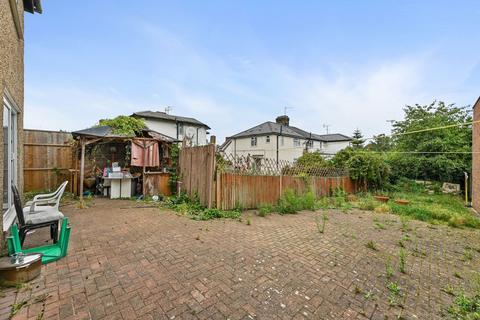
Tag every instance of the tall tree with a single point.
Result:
(425, 149)
(357, 139)
(380, 143)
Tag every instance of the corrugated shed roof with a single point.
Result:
(169, 117)
(107, 132)
(99, 132)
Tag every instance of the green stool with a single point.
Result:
(49, 253)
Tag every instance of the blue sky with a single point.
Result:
(235, 64)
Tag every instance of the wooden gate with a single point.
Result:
(48, 159)
(197, 173)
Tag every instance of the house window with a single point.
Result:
(9, 153)
(310, 143)
(181, 130)
(296, 143)
(267, 139)
(253, 141)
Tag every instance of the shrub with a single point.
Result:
(292, 203)
(124, 125)
(369, 169)
(264, 210)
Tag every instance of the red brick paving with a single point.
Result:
(145, 263)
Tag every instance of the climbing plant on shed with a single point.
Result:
(124, 125)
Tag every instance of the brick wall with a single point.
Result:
(476, 157)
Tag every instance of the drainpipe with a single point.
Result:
(281, 130)
(176, 122)
(197, 136)
(235, 148)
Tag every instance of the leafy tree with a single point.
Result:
(441, 155)
(369, 169)
(312, 160)
(357, 139)
(124, 125)
(380, 143)
(340, 159)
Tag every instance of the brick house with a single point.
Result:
(476, 157)
(12, 93)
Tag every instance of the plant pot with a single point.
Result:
(402, 202)
(382, 198)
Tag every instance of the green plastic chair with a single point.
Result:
(50, 253)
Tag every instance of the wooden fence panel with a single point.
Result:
(251, 191)
(157, 183)
(197, 173)
(48, 159)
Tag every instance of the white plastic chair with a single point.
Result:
(46, 200)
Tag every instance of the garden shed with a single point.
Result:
(123, 166)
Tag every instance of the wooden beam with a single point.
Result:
(45, 169)
(82, 167)
(48, 145)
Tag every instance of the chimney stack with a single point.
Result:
(283, 120)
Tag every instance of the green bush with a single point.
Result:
(265, 210)
(292, 203)
(124, 125)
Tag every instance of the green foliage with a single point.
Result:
(403, 261)
(321, 224)
(357, 139)
(192, 208)
(124, 125)
(465, 307)
(369, 169)
(341, 158)
(436, 208)
(440, 165)
(312, 160)
(173, 179)
(371, 245)
(292, 203)
(380, 143)
(265, 210)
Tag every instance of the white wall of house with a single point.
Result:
(331, 148)
(289, 148)
(266, 146)
(196, 134)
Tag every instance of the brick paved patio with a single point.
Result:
(144, 263)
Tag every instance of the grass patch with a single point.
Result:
(465, 307)
(192, 208)
(291, 203)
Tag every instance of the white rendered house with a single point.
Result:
(278, 140)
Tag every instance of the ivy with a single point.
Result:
(124, 125)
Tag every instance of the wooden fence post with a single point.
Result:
(82, 167)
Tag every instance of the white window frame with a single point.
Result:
(297, 143)
(12, 171)
(253, 141)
